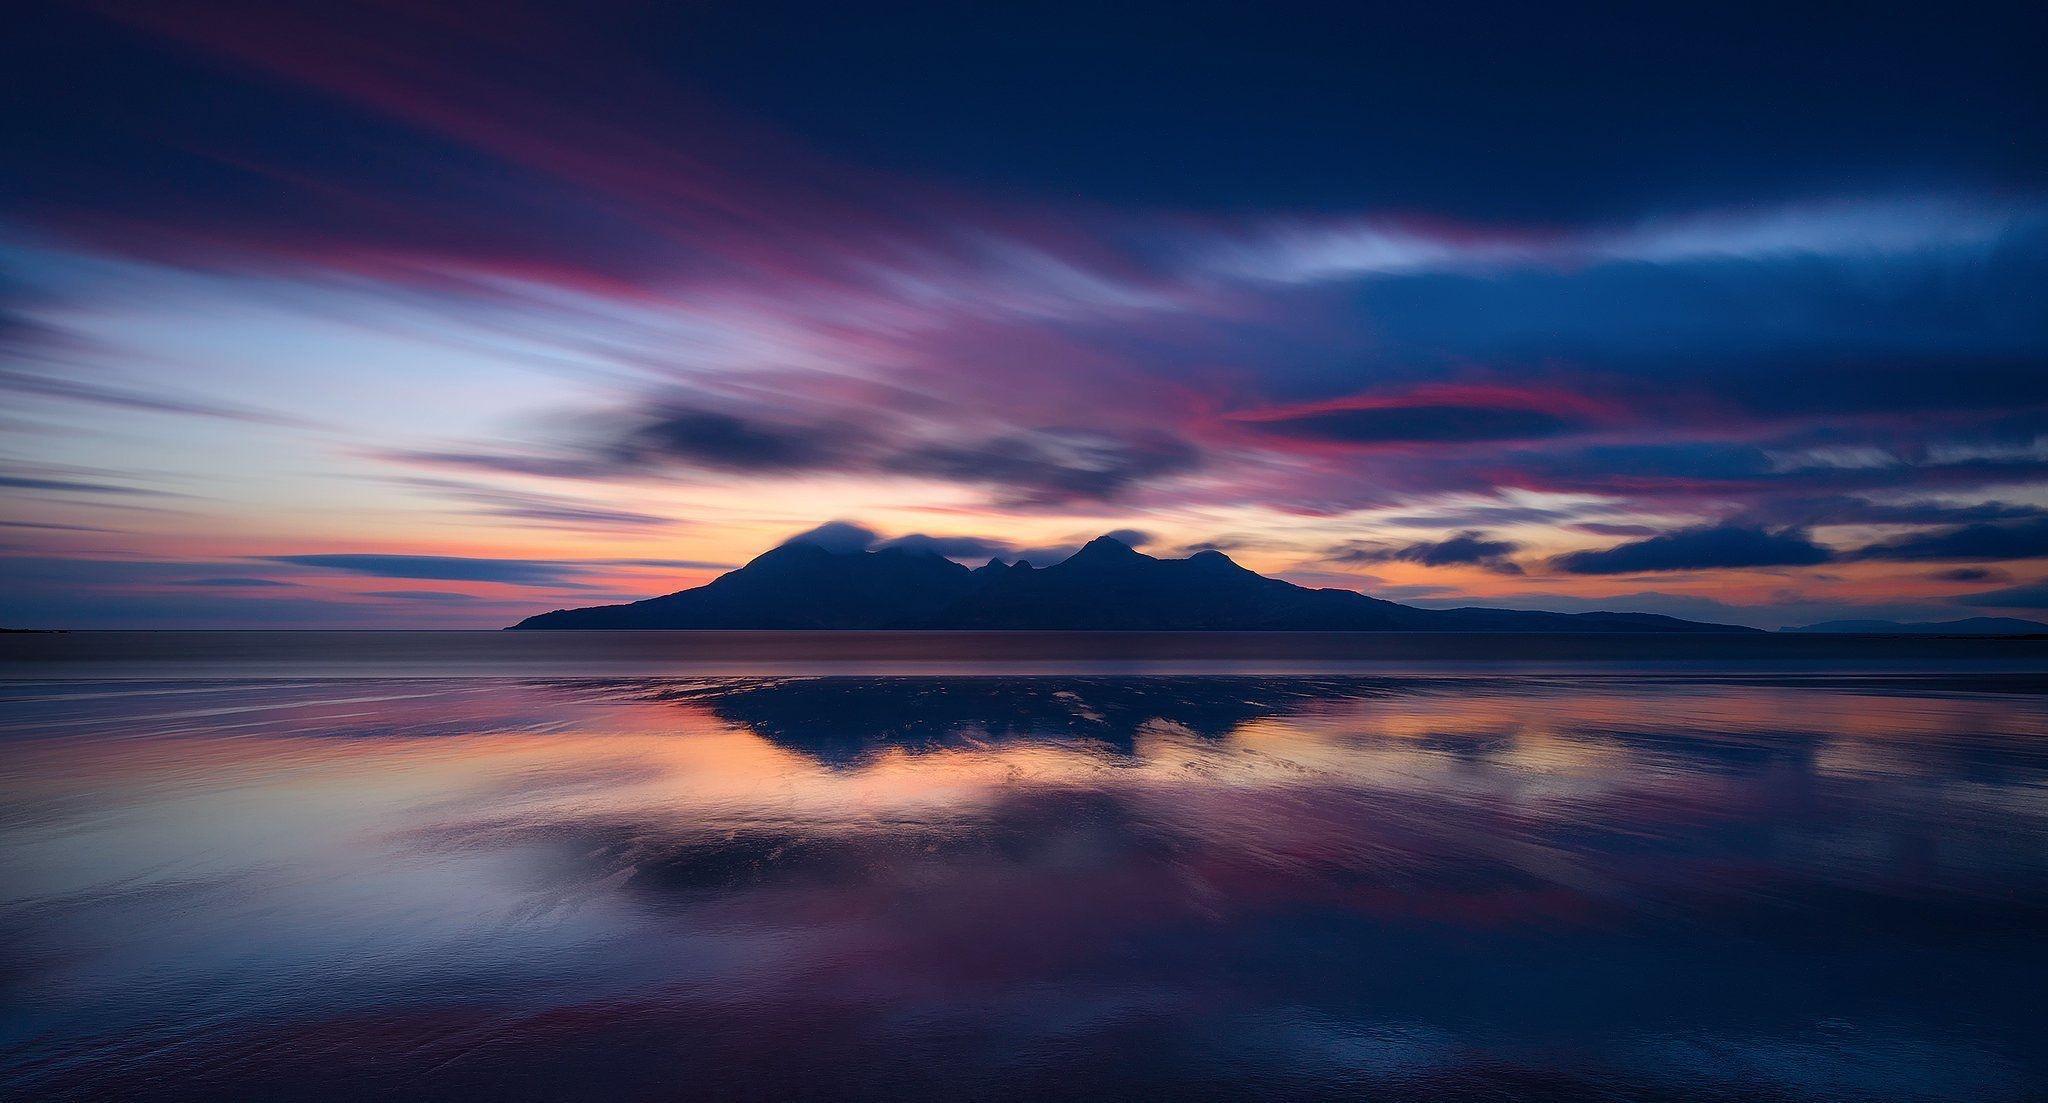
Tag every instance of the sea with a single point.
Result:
(992, 866)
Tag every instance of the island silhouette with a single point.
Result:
(802, 585)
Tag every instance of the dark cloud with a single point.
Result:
(1468, 548)
(1700, 549)
(50, 526)
(541, 509)
(1779, 485)
(664, 564)
(1051, 467)
(542, 512)
(838, 537)
(1229, 542)
(232, 582)
(1471, 516)
(721, 441)
(1603, 528)
(2020, 540)
(72, 486)
(1417, 425)
(441, 568)
(1851, 510)
(1030, 467)
(1970, 574)
(2033, 595)
(844, 537)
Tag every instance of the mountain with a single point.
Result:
(1106, 586)
(1969, 626)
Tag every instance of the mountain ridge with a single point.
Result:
(1968, 626)
(1105, 586)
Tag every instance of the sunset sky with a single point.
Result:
(439, 315)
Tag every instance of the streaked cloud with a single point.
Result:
(1469, 548)
(1706, 548)
(426, 300)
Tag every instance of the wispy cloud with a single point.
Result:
(440, 568)
(1847, 230)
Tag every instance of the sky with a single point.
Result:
(424, 315)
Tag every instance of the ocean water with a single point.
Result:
(743, 866)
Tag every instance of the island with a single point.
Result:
(1106, 586)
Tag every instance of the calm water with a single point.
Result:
(270, 866)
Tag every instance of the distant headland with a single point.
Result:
(1106, 586)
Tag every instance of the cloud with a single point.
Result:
(1051, 467)
(749, 308)
(1661, 472)
(1970, 574)
(540, 509)
(541, 465)
(1029, 467)
(1852, 230)
(1468, 548)
(129, 398)
(1851, 510)
(71, 486)
(721, 441)
(2033, 595)
(665, 564)
(53, 527)
(1699, 549)
(1469, 516)
(1435, 414)
(844, 537)
(1416, 424)
(2021, 540)
(838, 537)
(1604, 528)
(75, 592)
(231, 582)
(440, 568)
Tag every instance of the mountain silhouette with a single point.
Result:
(1968, 626)
(1106, 586)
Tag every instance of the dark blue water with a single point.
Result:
(731, 866)
(618, 654)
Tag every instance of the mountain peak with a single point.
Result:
(792, 551)
(1211, 560)
(1107, 548)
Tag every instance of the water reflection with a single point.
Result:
(846, 719)
(1026, 887)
